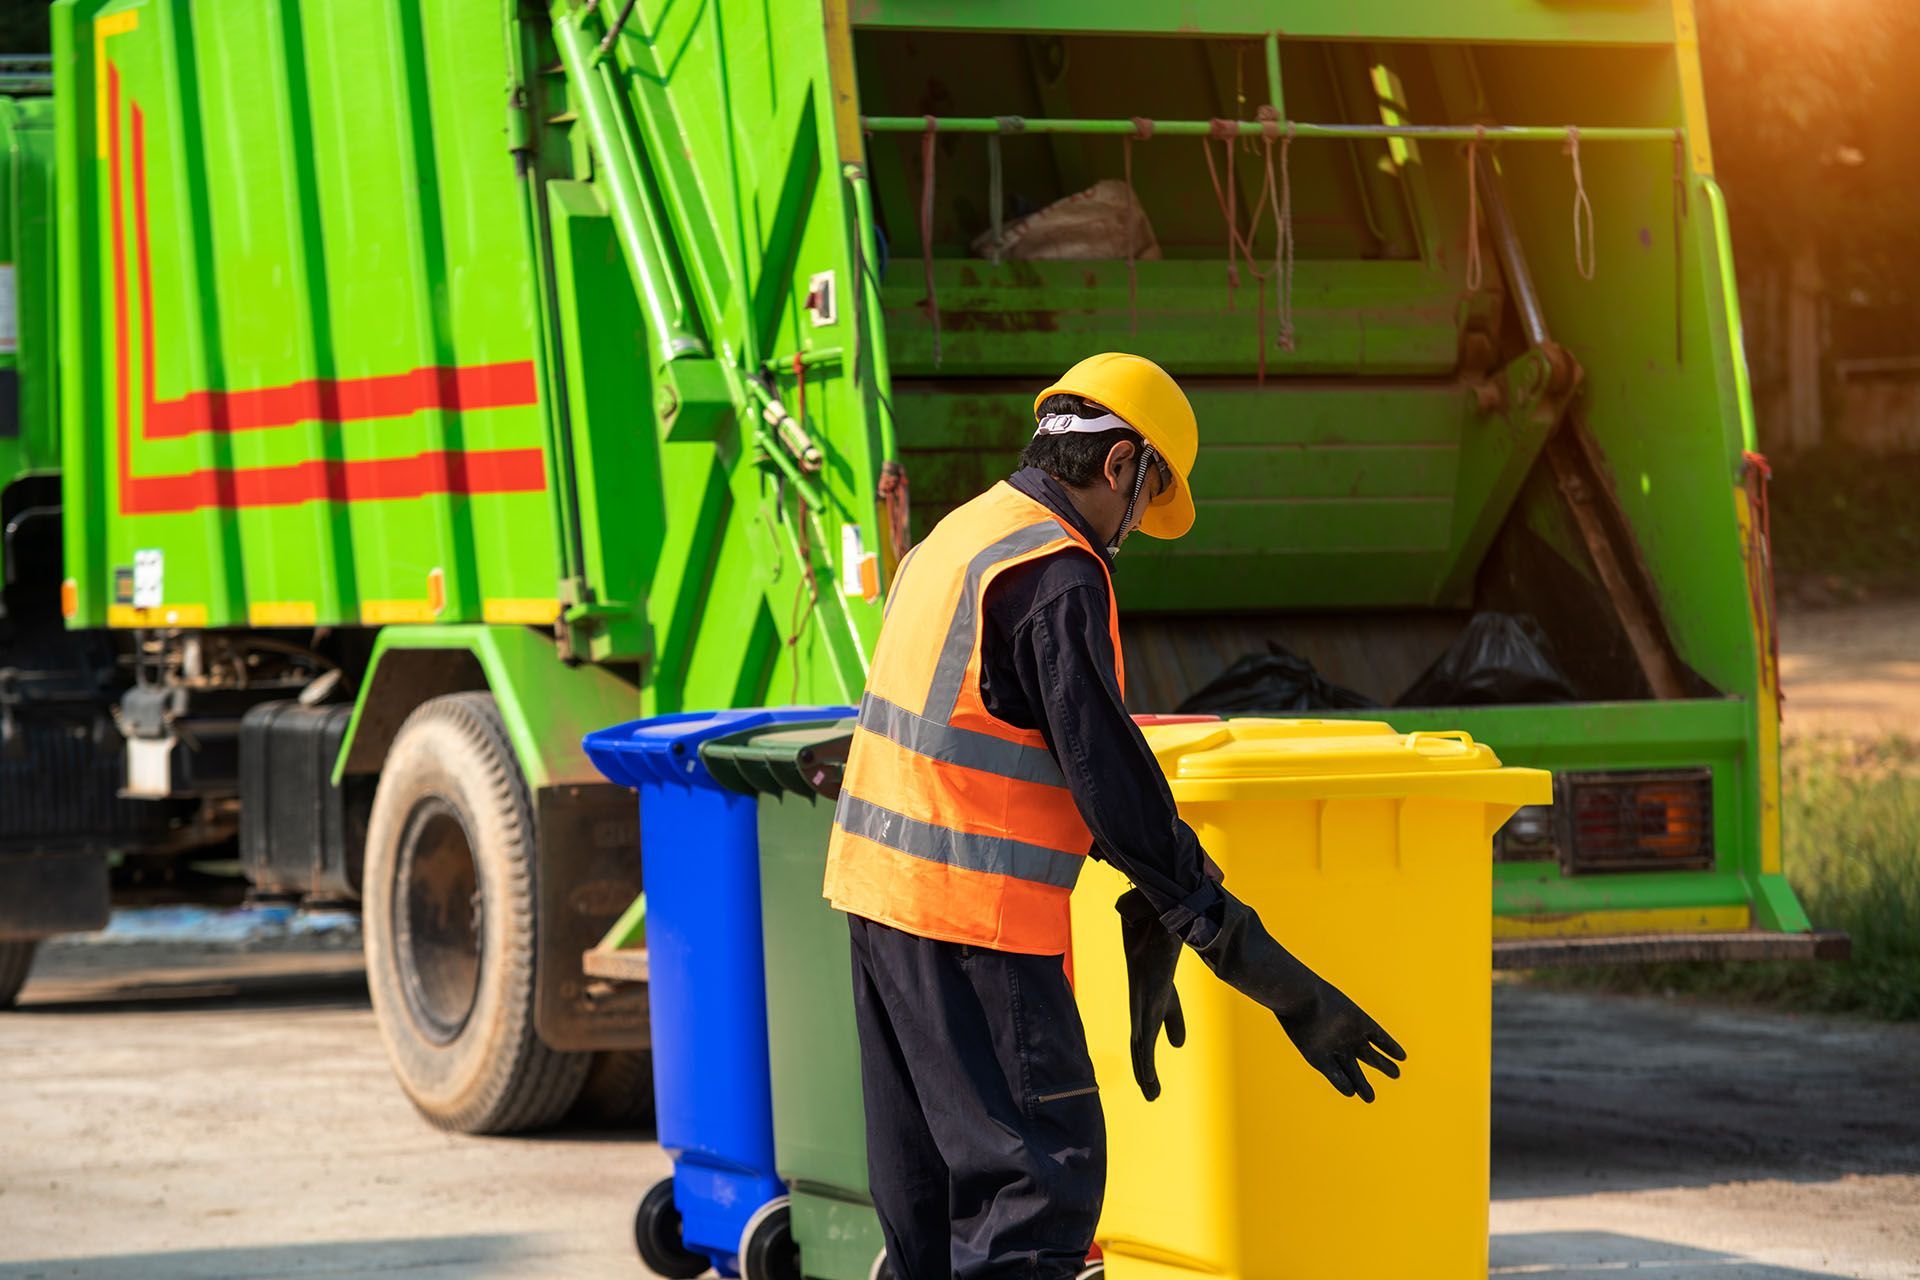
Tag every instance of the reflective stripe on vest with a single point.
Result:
(994, 855)
(952, 823)
(959, 746)
(951, 669)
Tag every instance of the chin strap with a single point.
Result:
(1144, 460)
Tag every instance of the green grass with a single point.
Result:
(1852, 829)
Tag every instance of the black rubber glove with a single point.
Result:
(1151, 954)
(1331, 1032)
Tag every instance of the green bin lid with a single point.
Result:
(801, 759)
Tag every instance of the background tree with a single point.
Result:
(1814, 108)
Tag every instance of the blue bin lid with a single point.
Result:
(667, 748)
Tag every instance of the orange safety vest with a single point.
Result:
(952, 823)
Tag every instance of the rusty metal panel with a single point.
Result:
(589, 872)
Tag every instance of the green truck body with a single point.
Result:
(608, 357)
(29, 427)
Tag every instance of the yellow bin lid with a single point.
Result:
(1335, 758)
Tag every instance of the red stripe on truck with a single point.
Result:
(439, 471)
(507, 384)
(120, 390)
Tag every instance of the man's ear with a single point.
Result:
(1117, 459)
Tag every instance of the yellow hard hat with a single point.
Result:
(1145, 397)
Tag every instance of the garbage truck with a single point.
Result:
(423, 384)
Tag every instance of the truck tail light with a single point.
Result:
(1655, 820)
(1528, 836)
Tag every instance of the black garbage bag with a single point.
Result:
(1277, 680)
(1499, 658)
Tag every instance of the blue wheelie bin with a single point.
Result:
(725, 1205)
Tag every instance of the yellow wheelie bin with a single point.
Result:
(1368, 855)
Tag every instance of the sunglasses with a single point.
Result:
(1165, 472)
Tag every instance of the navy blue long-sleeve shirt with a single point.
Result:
(1047, 664)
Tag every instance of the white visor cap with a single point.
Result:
(1060, 424)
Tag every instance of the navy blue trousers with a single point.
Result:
(986, 1145)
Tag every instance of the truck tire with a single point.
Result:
(618, 1093)
(449, 919)
(16, 960)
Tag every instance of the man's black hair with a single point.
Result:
(1076, 458)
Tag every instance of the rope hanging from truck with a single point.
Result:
(1226, 131)
(1280, 198)
(1755, 475)
(1475, 268)
(1584, 249)
(800, 389)
(807, 592)
(1283, 251)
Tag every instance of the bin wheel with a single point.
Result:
(1092, 1271)
(767, 1250)
(656, 1234)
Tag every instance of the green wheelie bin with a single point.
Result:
(819, 1126)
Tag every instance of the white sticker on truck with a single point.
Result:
(149, 579)
(852, 551)
(859, 567)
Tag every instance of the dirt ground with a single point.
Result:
(1853, 670)
(1677, 1141)
(194, 1116)
(185, 1117)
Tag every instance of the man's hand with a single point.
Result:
(1331, 1032)
(1335, 1036)
(1152, 954)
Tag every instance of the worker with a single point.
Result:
(993, 753)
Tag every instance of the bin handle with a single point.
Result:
(1460, 736)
